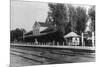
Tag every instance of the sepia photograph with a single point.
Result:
(43, 33)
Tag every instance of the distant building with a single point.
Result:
(88, 33)
(43, 32)
(88, 25)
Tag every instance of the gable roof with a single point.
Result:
(36, 24)
(48, 27)
(44, 28)
(71, 34)
(88, 25)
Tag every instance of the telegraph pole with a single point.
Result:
(23, 35)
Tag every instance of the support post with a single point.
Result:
(23, 36)
(57, 43)
(53, 43)
(63, 43)
(93, 39)
(82, 36)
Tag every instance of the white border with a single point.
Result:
(5, 33)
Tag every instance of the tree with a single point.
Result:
(16, 34)
(81, 19)
(72, 17)
(67, 18)
(91, 14)
(77, 18)
(58, 16)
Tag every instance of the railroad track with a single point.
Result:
(46, 57)
(33, 57)
(40, 62)
(74, 54)
(49, 56)
(32, 54)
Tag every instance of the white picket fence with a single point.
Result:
(53, 45)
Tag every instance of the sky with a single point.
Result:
(25, 13)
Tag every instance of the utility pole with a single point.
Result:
(23, 35)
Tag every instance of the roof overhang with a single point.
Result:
(71, 34)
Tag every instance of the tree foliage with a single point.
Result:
(58, 15)
(72, 17)
(91, 14)
(16, 34)
(77, 18)
(67, 17)
(81, 19)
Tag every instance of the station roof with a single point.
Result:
(71, 34)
